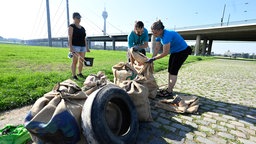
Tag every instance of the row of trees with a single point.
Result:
(239, 55)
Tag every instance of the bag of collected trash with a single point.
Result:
(56, 117)
(123, 71)
(11, 134)
(139, 96)
(180, 104)
(94, 82)
(145, 72)
(150, 83)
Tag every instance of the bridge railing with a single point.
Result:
(233, 23)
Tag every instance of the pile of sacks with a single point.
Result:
(136, 78)
(57, 115)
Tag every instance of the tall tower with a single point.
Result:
(104, 15)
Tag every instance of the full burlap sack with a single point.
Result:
(139, 96)
(94, 82)
(150, 83)
(188, 104)
(55, 117)
(145, 72)
(123, 71)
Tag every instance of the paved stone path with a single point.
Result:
(227, 114)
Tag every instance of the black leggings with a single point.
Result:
(177, 59)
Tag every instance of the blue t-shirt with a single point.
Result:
(135, 40)
(175, 39)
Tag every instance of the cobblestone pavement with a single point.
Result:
(227, 114)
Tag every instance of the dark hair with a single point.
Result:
(76, 15)
(158, 25)
(139, 24)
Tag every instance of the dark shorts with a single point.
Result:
(143, 51)
(177, 59)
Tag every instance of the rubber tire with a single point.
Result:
(94, 124)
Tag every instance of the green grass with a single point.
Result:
(28, 72)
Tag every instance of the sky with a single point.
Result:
(26, 19)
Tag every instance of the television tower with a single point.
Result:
(104, 15)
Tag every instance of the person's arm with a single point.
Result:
(145, 45)
(166, 51)
(70, 36)
(156, 48)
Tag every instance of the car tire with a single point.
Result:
(95, 123)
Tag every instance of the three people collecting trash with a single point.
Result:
(77, 45)
(173, 44)
(138, 38)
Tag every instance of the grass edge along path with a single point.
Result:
(28, 72)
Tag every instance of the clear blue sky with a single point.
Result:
(26, 19)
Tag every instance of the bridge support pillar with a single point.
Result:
(198, 41)
(62, 43)
(89, 44)
(153, 44)
(209, 47)
(114, 44)
(204, 47)
(105, 45)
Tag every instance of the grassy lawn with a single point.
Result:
(28, 72)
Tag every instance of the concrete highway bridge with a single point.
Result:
(203, 36)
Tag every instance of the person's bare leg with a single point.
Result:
(171, 82)
(81, 62)
(73, 65)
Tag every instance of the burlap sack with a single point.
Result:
(94, 82)
(55, 117)
(150, 83)
(139, 96)
(188, 104)
(145, 72)
(137, 57)
(123, 71)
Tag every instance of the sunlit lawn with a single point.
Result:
(28, 72)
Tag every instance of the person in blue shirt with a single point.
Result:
(138, 38)
(173, 44)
